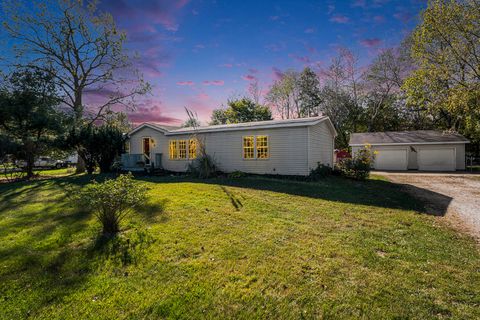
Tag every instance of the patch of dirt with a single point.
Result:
(456, 197)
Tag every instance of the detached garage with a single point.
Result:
(424, 150)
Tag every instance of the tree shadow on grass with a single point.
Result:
(378, 193)
(153, 211)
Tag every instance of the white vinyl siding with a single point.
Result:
(287, 149)
(321, 145)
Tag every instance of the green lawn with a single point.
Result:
(247, 248)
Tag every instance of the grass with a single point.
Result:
(250, 248)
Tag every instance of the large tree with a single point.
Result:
(241, 110)
(309, 93)
(446, 49)
(81, 49)
(29, 114)
(284, 95)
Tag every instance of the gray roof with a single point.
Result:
(269, 123)
(239, 126)
(406, 137)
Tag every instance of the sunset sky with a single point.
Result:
(197, 54)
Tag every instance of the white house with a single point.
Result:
(284, 147)
(424, 150)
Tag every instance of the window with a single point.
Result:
(182, 149)
(248, 147)
(262, 147)
(172, 150)
(127, 146)
(192, 149)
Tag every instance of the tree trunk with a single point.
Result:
(30, 161)
(80, 168)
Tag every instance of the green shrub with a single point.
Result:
(237, 174)
(321, 171)
(358, 167)
(203, 167)
(112, 200)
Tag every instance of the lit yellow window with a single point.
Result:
(192, 149)
(127, 146)
(262, 147)
(182, 149)
(248, 147)
(172, 150)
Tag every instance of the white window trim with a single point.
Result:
(255, 147)
(177, 148)
(268, 147)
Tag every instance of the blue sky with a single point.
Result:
(197, 54)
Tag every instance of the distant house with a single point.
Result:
(424, 150)
(285, 147)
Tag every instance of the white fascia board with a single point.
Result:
(146, 125)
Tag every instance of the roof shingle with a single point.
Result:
(405, 137)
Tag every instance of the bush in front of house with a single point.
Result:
(358, 167)
(112, 200)
(320, 172)
(203, 167)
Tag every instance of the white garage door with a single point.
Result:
(391, 159)
(438, 159)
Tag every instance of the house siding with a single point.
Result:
(320, 146)
(288, 150)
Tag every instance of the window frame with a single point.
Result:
(179, 151)
(267, 146)
(189, 151)
(173, 156)
(253, 147)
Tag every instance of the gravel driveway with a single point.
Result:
(455, 196)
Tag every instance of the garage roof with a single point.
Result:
(406, 137)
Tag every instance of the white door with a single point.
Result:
(391, 159)
(437, 159)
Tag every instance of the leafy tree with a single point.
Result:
(383, 80)
(309, 93)
(191, 122)
(29, 114)
(219, 116)
(111, 141)
(446, 49)
(284, 95)
(81, 49)
(98, 145)
(241, 110)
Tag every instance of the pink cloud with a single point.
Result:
(226, 65)
(185, 83)
(277, 73)
(214, 82)
(403, 16)
(253, 70)
(340, 19)
(303, 59)
(248, 77)
(155, 12)
(309, 30)
(147, 113)
(379, 19)
(359, 3)
(274, 18)
(370, 43)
